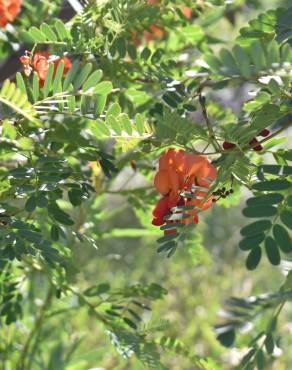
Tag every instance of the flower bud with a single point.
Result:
(227, 145)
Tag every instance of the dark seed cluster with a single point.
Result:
(253, 143)
(221, 193)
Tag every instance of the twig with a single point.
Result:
(249, 147)
(92, 307)
(128, 191)
(286, 125)
(35, 330)
(212, 136)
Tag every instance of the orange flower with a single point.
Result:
(160, 211)
(154, 33)
(187, 12)
(182, 179)
(41, 63)
(8, 11)
(179, 171)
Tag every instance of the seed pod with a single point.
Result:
(265, 132)
(227, 145)
(258, 148)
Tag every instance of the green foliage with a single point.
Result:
(15, 99)
(267, 26)
(78, 153)
(11, 298)
(241, 313)
(260, 207)
(47, 34)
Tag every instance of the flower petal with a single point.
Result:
(161, 182)
(161, 208)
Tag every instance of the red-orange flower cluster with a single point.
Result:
(187, 12)
(41, 63)
(155, 32)
(182, 179)
(8, 11)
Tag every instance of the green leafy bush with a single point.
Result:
(100, 94)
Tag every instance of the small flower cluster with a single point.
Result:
(264, 133)
(8, 11)
(41, 63)
(182, 179)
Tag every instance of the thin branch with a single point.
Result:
(92, 307)
(249, 147)
(274, 133)
(35, 330)
(128, 191)
(212, 136)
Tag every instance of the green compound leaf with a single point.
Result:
(173, 225)
(276, 169)
(259, 211)
(75, 197)
(103, 88)
(41, 201)
(16, 99)
(282, 238)
(256, 227)
(289, 200)
(30, 204)
(55, 233)
(260, 359)
(251, 241)
(169, 246)
(37, 35)
(243, 61)
(253, 259)
(92, 80)
(272, 185)
(167, 238)
(48, 80)
(261, 28)
(61, 30)
(267, 199)
(82, 76)
(20, 83)
(272, 251)
(126, 123)
(258, 56)
(228, 62)
(113, 110)
(59, 215)
(269, 343)
(227, 338)
(286, 218)
(49, 32)
(70, 76)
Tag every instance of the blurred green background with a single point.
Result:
(198, 278)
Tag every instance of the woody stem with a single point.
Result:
(212, 136)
